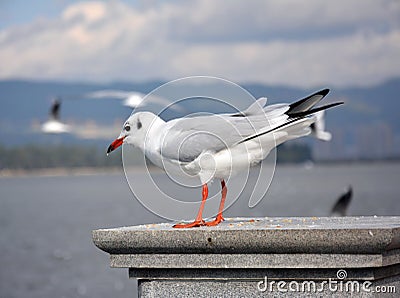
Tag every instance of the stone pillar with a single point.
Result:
(243, 257)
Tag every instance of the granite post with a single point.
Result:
(254, 257)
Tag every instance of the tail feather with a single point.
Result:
(298, 114)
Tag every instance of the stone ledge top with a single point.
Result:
(358, 235)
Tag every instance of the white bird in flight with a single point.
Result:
(132, 99)
(54, 125)
(220, 145)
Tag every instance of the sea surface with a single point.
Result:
(46, 222)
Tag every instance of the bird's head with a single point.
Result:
(134, 130)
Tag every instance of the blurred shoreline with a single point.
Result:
(62, 171)
(88, 171)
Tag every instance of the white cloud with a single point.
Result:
(90, 12)
(277, 42)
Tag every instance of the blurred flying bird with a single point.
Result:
(131, 99)
(342, 204)
(53, 125)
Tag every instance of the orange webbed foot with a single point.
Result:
(215, 222)
(196, 223)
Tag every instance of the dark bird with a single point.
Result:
(55, 109)
(54, 125)
(342, 205)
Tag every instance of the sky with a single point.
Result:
(285, 42)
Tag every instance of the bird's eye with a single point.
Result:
(127, 128)
(139, 125)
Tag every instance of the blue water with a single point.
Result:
(46, 222)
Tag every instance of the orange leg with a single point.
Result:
(199, 218)
(219, 217)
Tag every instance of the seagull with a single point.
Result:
(217, 146)
(132, 99)
(54, 125)
(342, 205)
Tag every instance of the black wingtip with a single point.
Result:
(308, 102)
(324, 92)
(312, 111)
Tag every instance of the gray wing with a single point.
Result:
(186, 138)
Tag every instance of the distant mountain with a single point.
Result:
(25, 104)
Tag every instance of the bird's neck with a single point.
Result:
(153, 140)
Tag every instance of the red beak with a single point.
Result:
(114, 145)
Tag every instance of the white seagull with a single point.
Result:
(54, 125)
(131, 99)
(217, 146)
